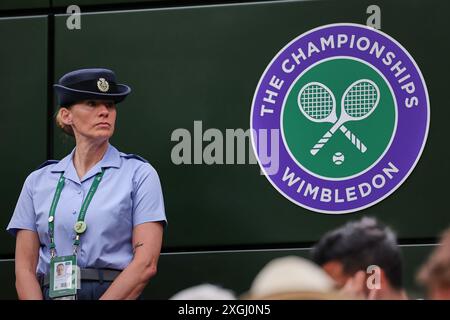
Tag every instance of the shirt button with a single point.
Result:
(74, 212)
(79, 191)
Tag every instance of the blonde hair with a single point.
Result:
(67, 129)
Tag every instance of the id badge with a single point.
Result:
(63, 277)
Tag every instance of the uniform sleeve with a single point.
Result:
(24, 216)
(148, 202)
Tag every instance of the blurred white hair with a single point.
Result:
(204, 292)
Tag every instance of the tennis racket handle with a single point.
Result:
(353, 139)
(321, 142)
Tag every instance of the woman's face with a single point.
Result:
(60, 269)
(92, 119)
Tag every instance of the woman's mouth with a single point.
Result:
(103, 124)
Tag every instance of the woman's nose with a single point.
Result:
(103, 108)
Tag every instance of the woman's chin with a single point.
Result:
(102, 135)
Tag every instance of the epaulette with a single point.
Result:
(46, 163)
(132, 156)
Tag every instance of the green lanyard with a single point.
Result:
(80, 225)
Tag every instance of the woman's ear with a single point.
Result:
(66, 116)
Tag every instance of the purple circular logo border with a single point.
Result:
(412, 126)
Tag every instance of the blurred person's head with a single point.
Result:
(292, 278)
(204, 292)
(435, 273)
(348, 251)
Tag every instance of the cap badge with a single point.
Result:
(102, 85)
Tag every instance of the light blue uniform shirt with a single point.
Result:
(128, 195)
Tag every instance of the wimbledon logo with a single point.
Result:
(353, 111)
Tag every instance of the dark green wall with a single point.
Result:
(23, 110)
(203, 63)
(100, 2)
(23, 4)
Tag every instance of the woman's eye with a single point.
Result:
(91, 103)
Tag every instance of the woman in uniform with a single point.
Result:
(98, 210)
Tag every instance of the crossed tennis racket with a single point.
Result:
(318, 104)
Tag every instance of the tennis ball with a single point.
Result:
(338, 158)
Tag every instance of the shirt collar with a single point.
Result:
(110, 159)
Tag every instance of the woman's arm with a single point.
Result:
(147, 240)
(27, 256)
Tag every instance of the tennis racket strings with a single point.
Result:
(361, 99)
